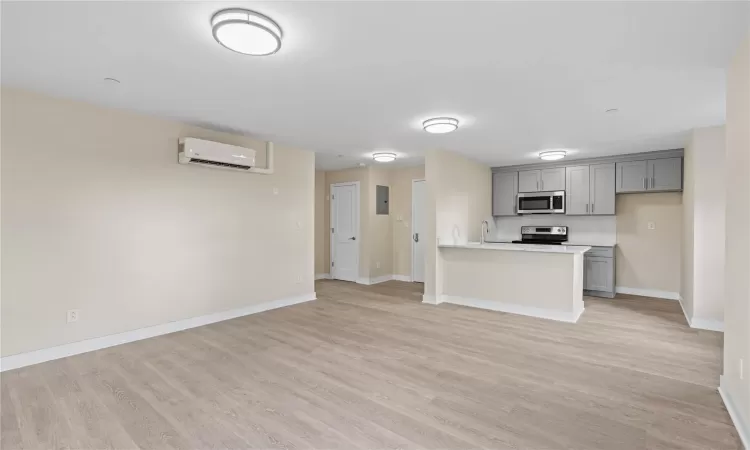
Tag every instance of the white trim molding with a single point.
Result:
(406, 278)
(743, 429)
(542, 313)
(699, 323)
(322, 276)
(648, 293)
(430, 299)
(89, 345)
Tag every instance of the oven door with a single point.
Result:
(541, 203)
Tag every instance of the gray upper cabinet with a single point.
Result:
(665, 174)
(577, 190)
(650, 175)
(542, 180)
(602, 194)
(631, 176)
(504, 190)
(553, 179)
(529, 181)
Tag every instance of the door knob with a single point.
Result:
(353, 238)
(416, 237)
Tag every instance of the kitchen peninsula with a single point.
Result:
(543, 281)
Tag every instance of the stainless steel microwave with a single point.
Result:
(541, 202)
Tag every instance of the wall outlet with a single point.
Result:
(651, 226)
(275, 191)
(377, 265)
(299, 279)
(73, 315)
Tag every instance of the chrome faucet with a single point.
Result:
(481, 232)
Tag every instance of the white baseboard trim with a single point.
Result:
(648, 293)
(562, 316)
(322, 276)
(381, 279)
(699, 323)
(406, 278)
(430, 299)
(89, 345)
(743, 429)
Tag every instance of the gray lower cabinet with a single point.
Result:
(654, 175)
(504, 191)
(590, 190)
(599, 272)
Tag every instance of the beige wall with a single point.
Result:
(321, 230)
(401, 190)
(381, 232)
(459, 197)
(737, 259)
(98, 216)
(702, 280)
(649, 259)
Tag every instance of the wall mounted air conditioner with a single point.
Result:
(215, 154)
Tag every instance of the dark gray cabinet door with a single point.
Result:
(577, 190)
(529, 181)
(602, 196)
(552, 179)
(599, 274)
(665, 174)
(504, 191)
(631, 176)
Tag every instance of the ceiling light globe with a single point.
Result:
(440, 125)
(553, 155)
(246, 32)
(384, 157)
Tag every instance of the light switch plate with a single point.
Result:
(651, 226)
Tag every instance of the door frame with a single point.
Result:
(413, 182)
(332, 213)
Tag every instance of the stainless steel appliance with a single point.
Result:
(541, 202)
(543, 235)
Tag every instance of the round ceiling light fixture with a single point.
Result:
(552, 155)
(384, 157)
(440, 125)
(246, 32)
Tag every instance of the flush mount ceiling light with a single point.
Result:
(384, 157)
(246, 32)
(440, 125)
(553, 155)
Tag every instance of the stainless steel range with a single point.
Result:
(543, 235)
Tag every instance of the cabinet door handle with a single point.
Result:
(537, 185)
(587, 208)
(644, 183)
(653, 182)
(592, 208)
(542, 184)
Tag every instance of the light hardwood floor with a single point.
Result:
(372, 367)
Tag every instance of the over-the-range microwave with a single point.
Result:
(541, 202)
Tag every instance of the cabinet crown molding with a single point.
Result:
(660, 154)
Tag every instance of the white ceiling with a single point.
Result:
(353, 77)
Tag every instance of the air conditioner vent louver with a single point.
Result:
(220, 164)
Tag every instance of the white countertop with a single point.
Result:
(521, 247)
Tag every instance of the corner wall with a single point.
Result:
(736, 389)
(97, 215)
(459, 195)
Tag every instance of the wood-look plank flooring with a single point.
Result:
(372, 367)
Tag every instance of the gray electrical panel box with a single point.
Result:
(381, 200)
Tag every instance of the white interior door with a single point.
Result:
(418, 200)
(345, 231)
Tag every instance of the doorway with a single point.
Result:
(418, 201)
(345, 231)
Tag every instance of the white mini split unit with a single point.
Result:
(215, 154)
